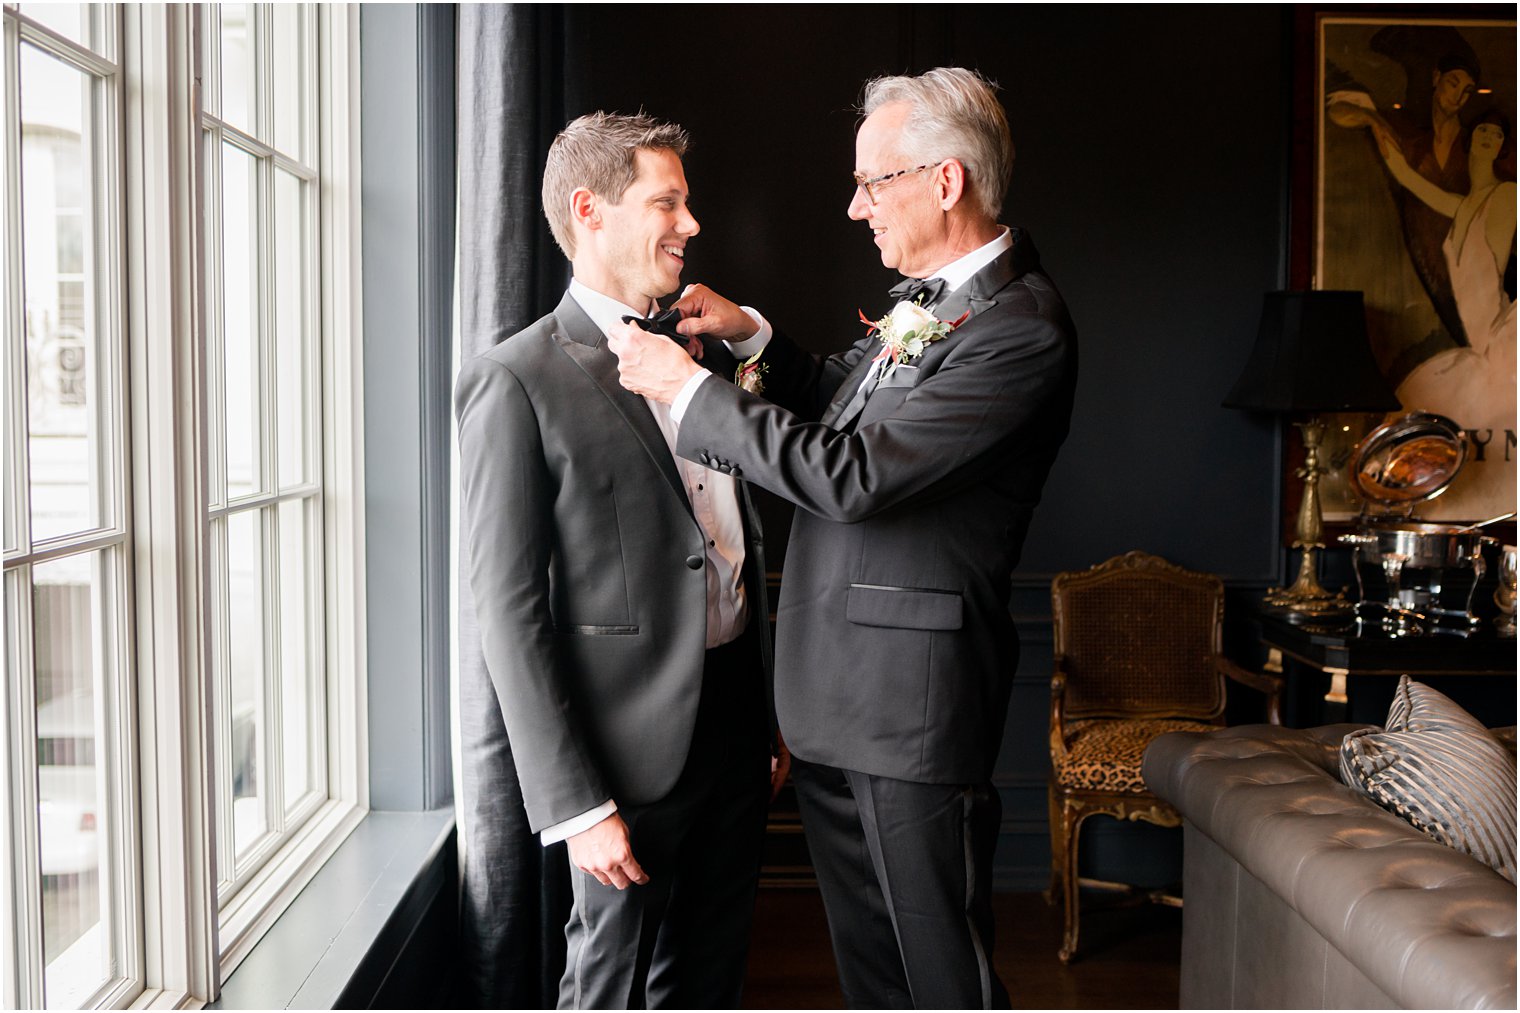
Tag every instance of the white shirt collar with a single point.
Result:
(958, 272)
(603, 310)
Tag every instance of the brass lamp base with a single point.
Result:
(1305, 595)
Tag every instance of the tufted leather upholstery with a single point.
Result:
(1354, 906)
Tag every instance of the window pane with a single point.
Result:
(290, 82)
(80, 22)
(245, 647)
(238, 66)
(293, 365)
(298, 627)
(67, 447)
(70, 631)
(240, 306)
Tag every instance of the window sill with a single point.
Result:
(339, 938)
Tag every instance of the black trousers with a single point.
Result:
(681, 940)
(906, 875)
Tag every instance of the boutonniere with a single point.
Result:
(907, 331)
(748, 375)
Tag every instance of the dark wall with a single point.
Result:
(1152, 166)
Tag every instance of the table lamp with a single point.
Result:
(1311, 356)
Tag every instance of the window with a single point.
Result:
(265, 503)
(182, 552)
(67, 529)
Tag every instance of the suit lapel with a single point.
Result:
(981, 290)
(846, 392)
(978, 294)
(580, 339)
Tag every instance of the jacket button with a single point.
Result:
(734, 471)
(694, 562)
(703, 457)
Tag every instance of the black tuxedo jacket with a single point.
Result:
(587, 567)
(895, 649)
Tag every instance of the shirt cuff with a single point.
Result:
(687, 392)
(755, 342)
(576, 824)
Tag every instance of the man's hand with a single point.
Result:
(706, 313)
(604, 850)
(781, 765)
(649, 364)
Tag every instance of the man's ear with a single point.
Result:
(585, 209)
(950, 183)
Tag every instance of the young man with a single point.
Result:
(621, 600)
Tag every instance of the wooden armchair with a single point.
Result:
(1137, 654)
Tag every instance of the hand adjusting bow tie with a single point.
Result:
(661, 323)
(909, 289)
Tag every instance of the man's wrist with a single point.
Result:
(684, 396)
(576, 824)
(755, 342)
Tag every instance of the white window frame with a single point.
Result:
(22, 972)
(187, 945)
(246, 914)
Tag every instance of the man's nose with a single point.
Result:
(860, 206)
(688, 225)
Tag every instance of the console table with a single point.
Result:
(1340, 655)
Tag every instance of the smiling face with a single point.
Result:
(1452, 90)
(639, 245)
(906, 220)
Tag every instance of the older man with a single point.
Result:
(916, 461)
(621, 600)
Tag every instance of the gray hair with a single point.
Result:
(954, 114)
(597, 151)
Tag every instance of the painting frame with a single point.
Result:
(1312, 263)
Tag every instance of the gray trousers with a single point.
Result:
(681, 940)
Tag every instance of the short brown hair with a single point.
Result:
(597, 151)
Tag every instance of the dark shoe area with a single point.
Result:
(1129, 957)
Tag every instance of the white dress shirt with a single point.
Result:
(956, 273)
(715, 504)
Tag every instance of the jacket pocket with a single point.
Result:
(910, 608)
(901, 376)
(566, 629)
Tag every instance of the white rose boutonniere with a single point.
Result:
(907, 331)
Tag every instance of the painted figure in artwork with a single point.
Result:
(1475, 385)
(1427, 128)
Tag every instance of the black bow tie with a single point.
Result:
(661, 323)
(909, 289)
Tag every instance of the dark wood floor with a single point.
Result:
(1129, 955)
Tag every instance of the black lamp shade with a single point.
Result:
(1311, 355)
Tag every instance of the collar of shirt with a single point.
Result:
(603, 310)
(958, 272)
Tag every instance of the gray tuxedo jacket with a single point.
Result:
(895, 650)
(587, 568)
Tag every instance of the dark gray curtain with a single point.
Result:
(515, 895)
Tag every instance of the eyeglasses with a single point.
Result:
(873, 185)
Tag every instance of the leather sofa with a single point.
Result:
(1302, 893)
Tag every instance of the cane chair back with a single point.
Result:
(1137, 636)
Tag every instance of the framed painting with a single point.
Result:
(1413, 183)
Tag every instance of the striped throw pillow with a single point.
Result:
(1439, 768)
